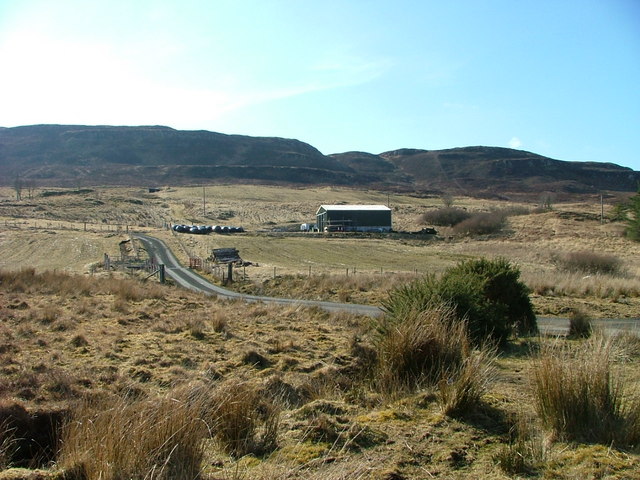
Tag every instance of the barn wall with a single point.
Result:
(354, 219)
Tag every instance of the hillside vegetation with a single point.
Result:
(76, 155)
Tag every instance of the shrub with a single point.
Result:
(633, 219)
(483, 223)
(445, 217)
(488, 293)
(577, 396)
(588, 262)
(580, 325)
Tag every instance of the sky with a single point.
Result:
(560, 78)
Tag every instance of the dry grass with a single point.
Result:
(246, 421)
(579, 396)
(156, 438)
(419, 350)
(329, 423)
(64, 338)
(462, 387)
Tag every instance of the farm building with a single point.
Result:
(353, 218)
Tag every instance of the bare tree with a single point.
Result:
(546, 200)
(447, 200)
(17, 186)
(30, 184)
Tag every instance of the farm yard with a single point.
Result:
(76, 340)
(72, 232)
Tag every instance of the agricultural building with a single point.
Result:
(353, 218)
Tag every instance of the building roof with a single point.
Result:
(354, 207)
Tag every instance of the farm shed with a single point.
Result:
(353, 218)
(225, 255)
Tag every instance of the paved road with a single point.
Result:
(187, 278)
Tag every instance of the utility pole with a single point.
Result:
(601, 209)
(204, 203)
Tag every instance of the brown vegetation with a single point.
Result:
(290, 388)
(173, 365)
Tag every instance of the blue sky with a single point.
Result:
(560, 78)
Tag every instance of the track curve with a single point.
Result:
(187, 278)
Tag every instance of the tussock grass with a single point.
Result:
(461, 388)
(579, 285)
(159, 438)
(579, 396)
(526, 451)
(246, 421)
(433, 348)
(580, 325)
(419, 350)
(590, 263)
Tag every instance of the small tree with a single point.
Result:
(633, 218)
(17, 186)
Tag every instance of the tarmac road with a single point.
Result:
(187, 278)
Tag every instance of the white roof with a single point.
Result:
(354, 207)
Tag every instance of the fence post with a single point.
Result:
(161, 270)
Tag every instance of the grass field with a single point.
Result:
(85, 341)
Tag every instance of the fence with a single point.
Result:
(132, 264)
(66, 225)
(223, 271)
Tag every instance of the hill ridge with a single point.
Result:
(73, 155)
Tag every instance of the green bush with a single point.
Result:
(633, 219)
(487, 293)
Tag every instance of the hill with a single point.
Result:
(155, 155)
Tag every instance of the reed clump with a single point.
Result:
(579, 395)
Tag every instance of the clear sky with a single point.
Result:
(556, 77)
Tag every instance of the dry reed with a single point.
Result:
(159, 438)
(579, 396)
